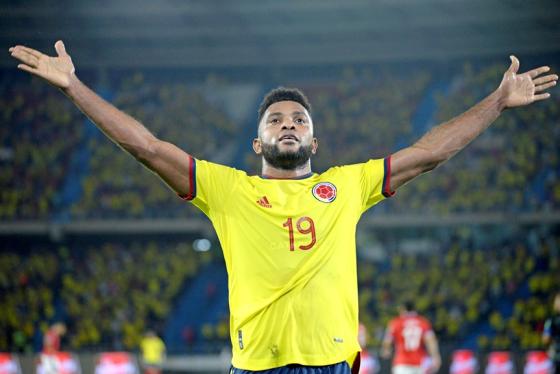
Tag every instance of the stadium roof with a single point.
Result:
(177, 33)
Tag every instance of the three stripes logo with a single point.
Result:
(263, 201)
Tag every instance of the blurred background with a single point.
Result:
(91, 238)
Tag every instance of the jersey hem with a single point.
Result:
(305, 360)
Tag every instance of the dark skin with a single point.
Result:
(170, 163)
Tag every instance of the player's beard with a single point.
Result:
(286, 160)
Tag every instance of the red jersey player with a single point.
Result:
(414, 341)
(51, 339)
(51, 346)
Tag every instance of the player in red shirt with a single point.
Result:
(51, 347)
(51, 339)
(414, 341)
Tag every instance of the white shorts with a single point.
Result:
(407, 369)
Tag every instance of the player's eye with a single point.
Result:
(300, 121)
(275, 121)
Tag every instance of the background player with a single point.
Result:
(414, 341)
(551, 334)
(270, 283)
(51, 346)
(153, 352)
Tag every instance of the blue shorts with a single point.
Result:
(340, 368)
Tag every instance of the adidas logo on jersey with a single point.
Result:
(263, 201)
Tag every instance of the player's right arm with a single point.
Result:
(165, 159)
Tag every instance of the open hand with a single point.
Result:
(57, 70)
(522, 89)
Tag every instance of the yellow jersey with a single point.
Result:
(153, 350)
(290, 253)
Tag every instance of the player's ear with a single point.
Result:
(314, 145)
(257, 146)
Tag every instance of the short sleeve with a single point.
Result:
(374, 181)
(211, 185)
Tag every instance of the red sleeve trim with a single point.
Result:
(192, 181)
(386, 189)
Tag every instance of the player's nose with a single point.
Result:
(288, 125)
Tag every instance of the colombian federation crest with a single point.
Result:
(325, 192)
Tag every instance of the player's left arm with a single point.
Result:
(432, 347)
(444, 141)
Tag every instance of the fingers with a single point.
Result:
(60, 49)
(25, 55)
(27, 68)
(545, 79)
(541, 97)
(538, 71)
(31, 51)
(545, 82)
(543, 87)
(514, 67)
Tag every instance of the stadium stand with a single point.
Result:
(36, 149)
(109, 293)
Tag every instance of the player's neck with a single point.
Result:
(269, 171)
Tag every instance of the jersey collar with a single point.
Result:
(300, 177)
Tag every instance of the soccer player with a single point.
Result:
(288, 235)
(414, 342)
(551, 334)
(51, 347)
(153, 353)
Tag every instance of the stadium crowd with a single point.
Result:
(37, 140)
(108, 293)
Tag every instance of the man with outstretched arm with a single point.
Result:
(288, 235)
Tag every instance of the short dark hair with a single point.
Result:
(283, 94)
(408, 305)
